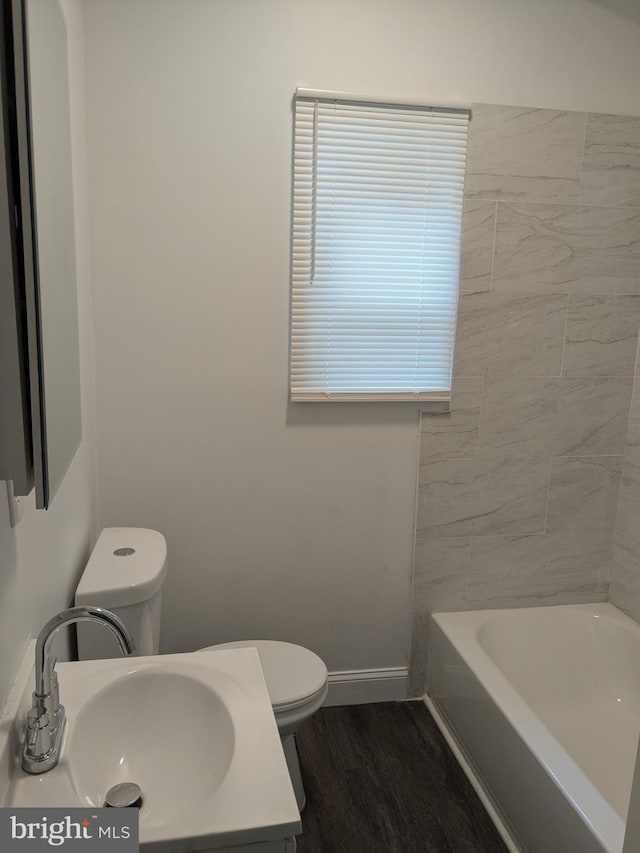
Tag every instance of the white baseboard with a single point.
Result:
(360, 686)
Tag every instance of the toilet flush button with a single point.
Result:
(124, 552)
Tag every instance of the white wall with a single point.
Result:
(41, 559)
(292, 522)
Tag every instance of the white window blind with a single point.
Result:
(377, 204)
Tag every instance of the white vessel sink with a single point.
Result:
(195, 731)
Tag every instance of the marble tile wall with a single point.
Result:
(519, 483)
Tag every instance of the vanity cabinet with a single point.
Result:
(284, 845)
(287, 845)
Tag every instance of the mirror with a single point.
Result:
(48, 239)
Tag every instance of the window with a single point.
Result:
(376, 249)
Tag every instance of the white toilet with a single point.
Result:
(125, 574)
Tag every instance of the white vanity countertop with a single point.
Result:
(251, 798)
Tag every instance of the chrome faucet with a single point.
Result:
(46, 717)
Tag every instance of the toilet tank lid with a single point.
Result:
(128, 565)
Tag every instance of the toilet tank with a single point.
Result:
(125, 574)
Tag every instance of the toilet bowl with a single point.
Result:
(126, 572)
(296, 679)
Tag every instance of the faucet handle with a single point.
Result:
(38, 732)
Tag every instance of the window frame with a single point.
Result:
(306, 190)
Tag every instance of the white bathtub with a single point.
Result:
(544, 704)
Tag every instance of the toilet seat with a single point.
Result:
(298, 683)
(294, 676)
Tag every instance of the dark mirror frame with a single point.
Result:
(25, 379)
(16, 446)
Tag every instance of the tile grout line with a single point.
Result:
(483, 387)
(564, 339)
(584, 149)
(546, 508)
(619, 501)
(568, 203)
(493, 247)
(466, 588)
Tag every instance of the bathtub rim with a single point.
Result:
(460, 629)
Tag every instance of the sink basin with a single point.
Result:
(138, 722)
(195, 731)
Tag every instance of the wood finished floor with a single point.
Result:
(381, 779)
